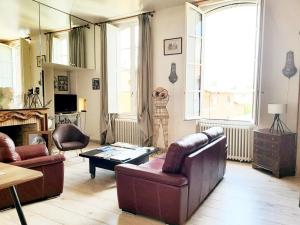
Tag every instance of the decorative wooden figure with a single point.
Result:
(160, 114)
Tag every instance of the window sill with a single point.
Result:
(127, 117)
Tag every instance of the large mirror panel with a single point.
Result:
(82, 43)
(66, 40)
(20, 74)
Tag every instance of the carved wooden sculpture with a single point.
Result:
(160, 114)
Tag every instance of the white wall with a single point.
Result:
(281, 34)
(170, 23)
(84, 90)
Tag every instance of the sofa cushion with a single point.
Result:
(7, 149)
(156, 164)
(180, 149)
(213, 133)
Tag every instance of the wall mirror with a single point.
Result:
(19, 46)
(66, 40)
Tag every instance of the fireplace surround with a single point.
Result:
(17, 122)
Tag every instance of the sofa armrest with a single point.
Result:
(39, 161)
(151, 175)
(32, 151)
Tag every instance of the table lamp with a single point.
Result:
(278, 125)
(82, 106)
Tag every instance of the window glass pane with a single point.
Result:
(193, 106)
(127, 67)
(228, 76)
(60, 50)
(136, 34)
(6, 66)
(125, 38)
(193, 62)
(194, 19)
(125, 60)
(124, 102)
(125, 81)
(193, 83)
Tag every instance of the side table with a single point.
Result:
(275, 151)
(10, 176)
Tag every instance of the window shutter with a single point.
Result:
(193, 61)
(112, 56)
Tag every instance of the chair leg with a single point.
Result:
(82, 157)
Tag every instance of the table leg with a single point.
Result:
(92, 169)
(16, 200)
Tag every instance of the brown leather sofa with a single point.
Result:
(33, 157)
(172, 186)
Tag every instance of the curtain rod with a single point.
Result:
(123, 18)
(58, 31)
(62, 11)
(7, 41)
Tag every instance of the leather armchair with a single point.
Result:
(173, 185)
(69, 137)
(34, 157)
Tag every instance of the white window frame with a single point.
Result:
(189, 7)
(133, 69)
(59, 37)
(256, 84)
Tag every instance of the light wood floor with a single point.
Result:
(244, 197)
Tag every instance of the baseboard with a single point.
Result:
(95, 141)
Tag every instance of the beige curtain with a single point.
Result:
(77, 47)
(107, 120)
(145, 80)
(49, 43)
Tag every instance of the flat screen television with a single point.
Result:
(65, 103)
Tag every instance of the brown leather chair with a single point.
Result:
(69, 137)
(34, 157)
(172, 186)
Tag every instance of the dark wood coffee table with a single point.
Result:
(137, 157)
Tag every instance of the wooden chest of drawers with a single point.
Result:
(275, 152)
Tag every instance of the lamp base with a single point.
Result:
(278, 125)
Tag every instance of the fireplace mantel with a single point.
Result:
(12, 117)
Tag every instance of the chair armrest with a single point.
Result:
(32, 151)
(39, 161)
(151, 175)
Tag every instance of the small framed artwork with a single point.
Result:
(62, 83)
(96, 84)
(39, 137)
(40, 60)
(173, 46)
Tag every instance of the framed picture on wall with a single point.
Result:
(96, 84)
(62, 83)
(40, 60)
(173, 46)
(38, 137)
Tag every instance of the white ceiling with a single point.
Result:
(99, 10)
(21, 16)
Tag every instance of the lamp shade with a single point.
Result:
(82, 105)
(276, 108)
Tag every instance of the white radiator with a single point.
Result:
(128, 131)
(239, 138)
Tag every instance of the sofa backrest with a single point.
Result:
(204, 169)
(178, 150)
(7, 149)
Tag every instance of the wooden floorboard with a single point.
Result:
(244, 197)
